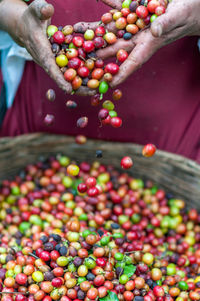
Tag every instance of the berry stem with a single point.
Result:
(33, 255)
(82, 58)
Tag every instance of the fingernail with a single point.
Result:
(80, 29)
(113, 84)
(159, 30)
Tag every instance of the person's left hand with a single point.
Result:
(181, 19)
(29, 31)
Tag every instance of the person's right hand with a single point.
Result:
(181, 19)
(30, 32)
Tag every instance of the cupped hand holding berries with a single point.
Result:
(180, 19)
(27, 25)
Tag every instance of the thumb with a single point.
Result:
(42, 9)
(166, 23)
(81, 27)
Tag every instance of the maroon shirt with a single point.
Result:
(160, 104)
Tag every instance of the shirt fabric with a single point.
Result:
(12, 64)
(160, 103)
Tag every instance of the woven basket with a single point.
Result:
(176, 174)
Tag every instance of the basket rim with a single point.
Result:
(6, 141)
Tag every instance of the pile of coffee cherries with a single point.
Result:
(76, 56)
(89, 232)
(134, 16)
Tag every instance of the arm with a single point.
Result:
(27, 26)
(9, 8)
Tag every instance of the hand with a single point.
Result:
(109, 51)
(30, 32)
(35, 22)
(181, 19)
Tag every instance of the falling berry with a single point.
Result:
(116, 122)
(49, 119)
(106, 121)
(51, 95)
(71, 104)
(149, 150)
(95, 100)
(103, 113)
(82, 122)
(99, 154)
(81, 139)
(117, 94)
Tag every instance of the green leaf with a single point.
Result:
(76, 183)
(129, 270)
(110, 297)
(113, 296)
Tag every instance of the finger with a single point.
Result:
(41, 52)
(85, 91)
(176, 34)
(139, 55)
(113, 3)
(81, 27)
(169, 21)
(54, 72)
(42, 9)
(111, 51)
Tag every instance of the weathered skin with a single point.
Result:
(181, 19)
(27, 26)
